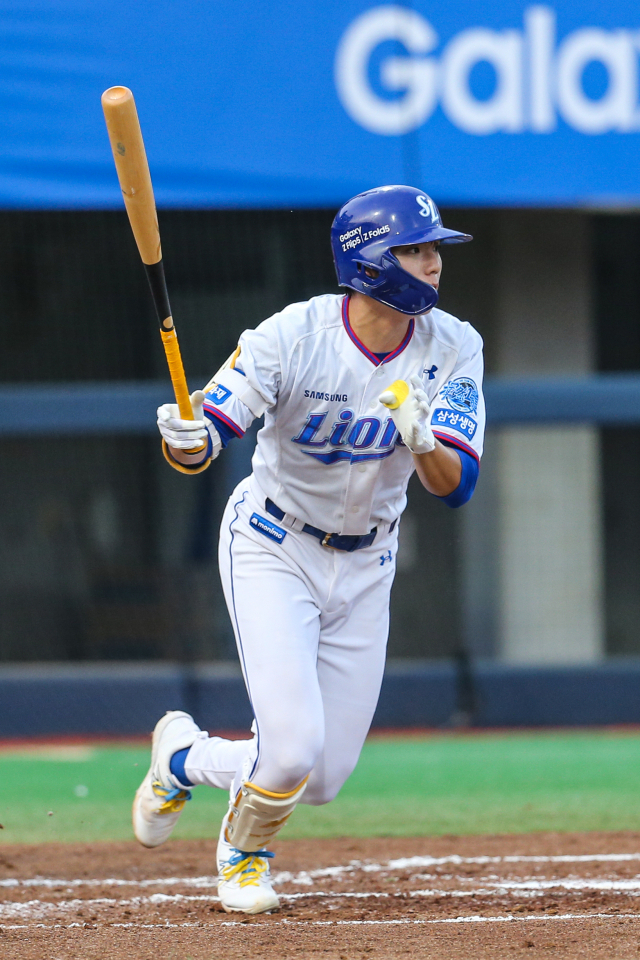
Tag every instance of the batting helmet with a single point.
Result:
(365, 230)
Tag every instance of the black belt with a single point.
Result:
(334, 540)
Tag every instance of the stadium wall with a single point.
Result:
(122, 700)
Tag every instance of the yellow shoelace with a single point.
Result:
(250, 868)
(174, 800)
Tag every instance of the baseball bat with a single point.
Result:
(132, 167)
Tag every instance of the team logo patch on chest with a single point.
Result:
(267, 527)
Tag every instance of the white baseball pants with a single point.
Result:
(311, 626)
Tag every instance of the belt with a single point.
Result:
(334, 540)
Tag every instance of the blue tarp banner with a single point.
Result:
(275, 104)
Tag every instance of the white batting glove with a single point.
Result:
(410, 410)
(187, 434)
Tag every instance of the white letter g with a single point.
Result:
(416, 75)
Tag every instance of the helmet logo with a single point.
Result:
(427, 207)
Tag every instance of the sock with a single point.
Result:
(176, 766)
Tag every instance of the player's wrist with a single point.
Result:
(424, 443)
(188, 461)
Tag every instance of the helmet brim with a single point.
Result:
(441, 234)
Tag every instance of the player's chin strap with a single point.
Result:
(256, 816)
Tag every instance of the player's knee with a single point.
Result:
(287, 776)
(318, 793)
(294, 760)
(295, 766)
(325, 785)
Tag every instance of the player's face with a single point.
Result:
(422, 260)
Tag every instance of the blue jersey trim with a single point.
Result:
(239, 432)
(223, 428)
(468, 479)
(360, 345)
(450, 441)
(395, 353)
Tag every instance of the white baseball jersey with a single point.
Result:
(329, 453)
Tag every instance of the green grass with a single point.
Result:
(446, 783)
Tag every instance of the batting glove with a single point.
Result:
(188, 434)
(410, 410)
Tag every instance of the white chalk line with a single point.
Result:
(244, 925)
(532, 886)
(53, 884)
(611, 886)
(306, 877)
(528, 888)
(39, 908)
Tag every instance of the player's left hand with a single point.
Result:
(410, 409)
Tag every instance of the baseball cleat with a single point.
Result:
(161, 797)
(244, 880)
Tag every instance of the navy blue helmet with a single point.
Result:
(365, 230)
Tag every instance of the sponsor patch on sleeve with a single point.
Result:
(267, 527)
(455, 421)
(218, 394)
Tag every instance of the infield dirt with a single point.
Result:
(445, 898)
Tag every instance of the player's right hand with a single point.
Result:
(409, 407)
(183, 434)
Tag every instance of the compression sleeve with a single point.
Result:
(468, 479)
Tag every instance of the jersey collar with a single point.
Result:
(360, 345)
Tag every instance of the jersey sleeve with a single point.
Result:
(458, 411)
(248, 383)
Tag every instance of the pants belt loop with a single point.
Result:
(292, 522)
(289, 521)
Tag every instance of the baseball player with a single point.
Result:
(357, 391)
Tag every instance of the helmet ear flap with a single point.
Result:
(401, 290)
(371, 273)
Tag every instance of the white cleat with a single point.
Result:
(244, 879)
(161, 797)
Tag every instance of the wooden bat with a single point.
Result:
(132, 167)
